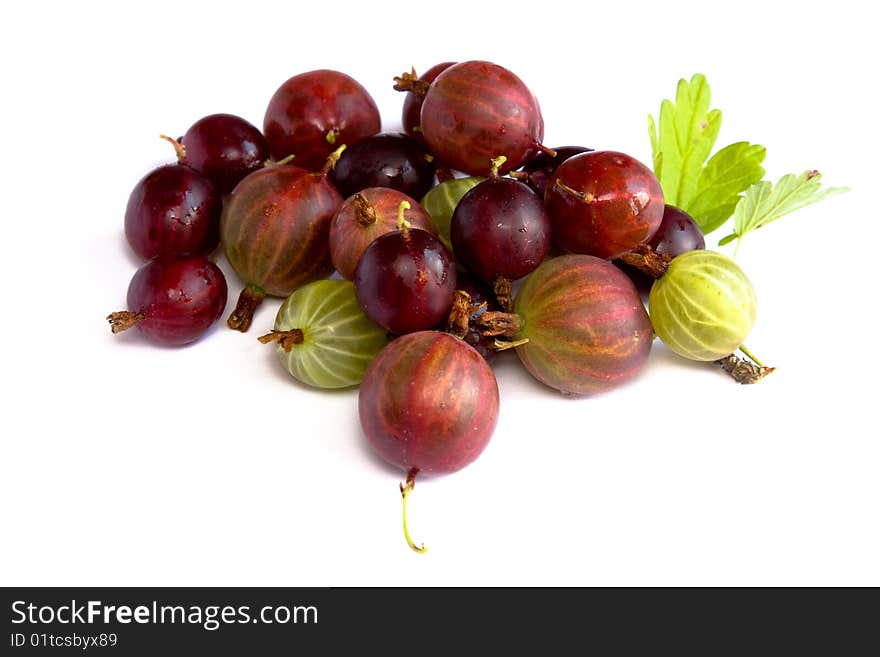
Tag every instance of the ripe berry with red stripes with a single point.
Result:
(428, 405)
(476, 110)
(275, 231)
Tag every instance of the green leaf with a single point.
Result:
(655, 146)
(726, 175)
(764, 202)
(687, 133)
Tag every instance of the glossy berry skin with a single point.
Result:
(179, 297)
(336, 339)
(225, 148)
(313, 113)
(365, 216)
(428, 403)
(411, 115)
(275, 228)
(678, 233)
(441, 201)
(704, 306)
(542, 167)
(405, 281)
(603, 203)
(388, 159)
(173, 210)
(475, 111)
(588, 331)
(500, 230)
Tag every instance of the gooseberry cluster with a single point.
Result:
(461, 236)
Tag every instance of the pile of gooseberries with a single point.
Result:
(407, 260)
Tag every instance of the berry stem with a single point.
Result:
(402, 224)
(497, 163)
(248, 301)
(494, 323)
(331, 136)
(332, 159)
(405, 490)
(179, 148)
(459, 320)
(123, 320)
(503, 293)
(459, 315)
(545, 149)
(647, 260)
(411, 82)
(752, 356)
(277, 163)
(287, 339)
(502, 345)
(586, 197)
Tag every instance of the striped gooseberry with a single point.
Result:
(583, 324)
(275, 229)
(324, 338)
(365, 216)
(704, 306)
(474, 111)
(428, 404)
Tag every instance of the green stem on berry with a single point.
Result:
(501, 345)
(248, 301)
(123, 320)
(405, 490)
(287, 339)
(402, 224)
(331, 136)
(332, 159)
(752, 356)
(497, 163)
(277, 163)
(179, 148)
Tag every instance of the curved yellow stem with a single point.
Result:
(405, 490)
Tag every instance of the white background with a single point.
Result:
(128, 464)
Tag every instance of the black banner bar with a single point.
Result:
(260, 621)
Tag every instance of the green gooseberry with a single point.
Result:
(324, 338)
(703, 307)
(440, 202)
